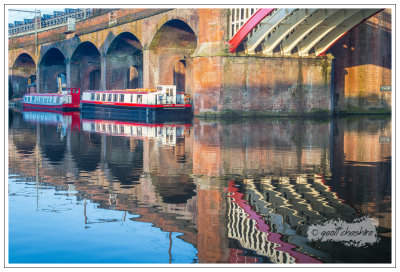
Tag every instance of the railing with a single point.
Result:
(52, 22)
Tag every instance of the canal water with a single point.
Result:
(109, 191)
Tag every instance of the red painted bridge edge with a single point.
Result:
(254, 20)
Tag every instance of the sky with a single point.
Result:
(20, 16)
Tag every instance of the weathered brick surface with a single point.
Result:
(363, 64)
(207, 79)
(286, 85)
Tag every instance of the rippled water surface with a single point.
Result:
(111, 191)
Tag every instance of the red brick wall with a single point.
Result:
(363, 64)
(286, 85)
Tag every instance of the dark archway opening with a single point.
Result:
(133, 78)
(21, 75)
(124, 62)
(94, 80)
(86, 67)
(52, 64)
(179, 75)
(172, 47)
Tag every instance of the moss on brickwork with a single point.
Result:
(237, 114)
(352, 110)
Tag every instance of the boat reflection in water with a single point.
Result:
(183, 192)
(65, 120)
(165, 134)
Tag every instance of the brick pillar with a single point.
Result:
(103, 77)
(146, 69)
(37, 79)
(68, 73)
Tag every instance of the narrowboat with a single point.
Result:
(66, 100)
(140, 104)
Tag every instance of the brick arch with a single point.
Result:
(73, 51)
(121, 54)
(44, 50)
(20, 57)
(50, 68)
(14, 58)
(112, 35)
(162, 22)
(22, 73)
(85, 59)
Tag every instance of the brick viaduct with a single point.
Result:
(188, 48)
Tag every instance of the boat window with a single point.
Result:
(131, 98)
(45, 100)
(98, 97)
(92, 96)
(109, 97)
(58, 100)
(159, 88)
(115, 98)
(103, 98)
(139, 98)
(121, 98)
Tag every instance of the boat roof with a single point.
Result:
(44, 94)
(129, 91)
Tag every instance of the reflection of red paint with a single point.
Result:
(115, 122)
(323, 181)
(262, 226)
(75, 116)
(235, 257)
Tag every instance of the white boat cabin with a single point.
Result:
(64, 97)
(164, 94)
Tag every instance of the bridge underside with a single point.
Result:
(300, 32)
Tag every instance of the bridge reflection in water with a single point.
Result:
(236, 197)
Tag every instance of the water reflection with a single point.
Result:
(236, 192)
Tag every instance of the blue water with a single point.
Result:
(48, 226)
(84, 191)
